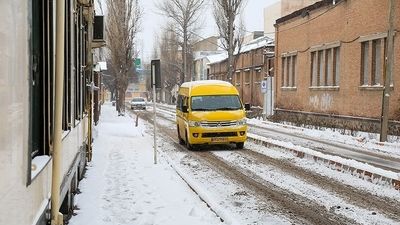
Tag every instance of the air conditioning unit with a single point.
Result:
(98, 32)
(98, 28)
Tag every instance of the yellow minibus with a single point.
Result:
(210, 112)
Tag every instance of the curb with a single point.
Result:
(332, 164)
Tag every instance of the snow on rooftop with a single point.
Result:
(217, 57)
(257, 43)
(204, 54)
(254, 44)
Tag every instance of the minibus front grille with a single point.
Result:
(219, 134)
(219, 124)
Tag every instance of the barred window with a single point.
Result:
(372, 62)
(247, 76)
(289, 71)
(237, 78)
(325, 64)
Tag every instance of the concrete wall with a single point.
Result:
(280, 9)
(208, 44)
(19, 204)
(271, 14)
(289, 6)
(253, 35)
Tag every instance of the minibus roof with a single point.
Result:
(206, 82)
(209, 87)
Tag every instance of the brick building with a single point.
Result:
(253, 64)
(218, 67)
(330, 63)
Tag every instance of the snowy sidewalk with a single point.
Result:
(123, 186)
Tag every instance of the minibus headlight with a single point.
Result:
(241, 122)
(194, 123)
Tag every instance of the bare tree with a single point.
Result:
(123, 18)
(109, 80)
(185, 15)
(169, 48)
(225, 15)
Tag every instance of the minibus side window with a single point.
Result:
(179, 103)
(185, 102)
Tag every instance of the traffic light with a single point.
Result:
(155, 73)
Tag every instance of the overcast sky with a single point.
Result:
(152, 21)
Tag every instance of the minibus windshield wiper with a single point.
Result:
(202, 109)
(228, 108)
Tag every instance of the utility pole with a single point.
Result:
(231, 45)
(388, 75)
(184, 56)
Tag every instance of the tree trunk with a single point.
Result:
(116, 100)
(121, 102)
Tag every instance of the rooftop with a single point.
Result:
(306, 10)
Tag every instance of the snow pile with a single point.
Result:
(343, 161)
(366, 141)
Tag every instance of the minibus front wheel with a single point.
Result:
(239, 145)
(179, 136)
(188, 145)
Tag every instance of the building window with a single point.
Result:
(325, 66)
(79, 62)
(67, 112)
(372, 62)
(258, 76)
(247, 77)
(42, 80)
(269, 68)
(237, 78)
(289, 71)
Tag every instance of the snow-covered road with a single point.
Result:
(123, 186)
(258, 185)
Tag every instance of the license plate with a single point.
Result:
(219, 139)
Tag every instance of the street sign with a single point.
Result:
(264, 86)
(138, 63)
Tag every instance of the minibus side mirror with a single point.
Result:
(184, 109)
(247, 106)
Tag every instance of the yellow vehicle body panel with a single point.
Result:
(213, 127)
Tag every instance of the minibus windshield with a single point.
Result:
(216, 102)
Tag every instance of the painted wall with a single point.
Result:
(19, 204)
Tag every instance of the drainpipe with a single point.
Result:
(56, 216)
